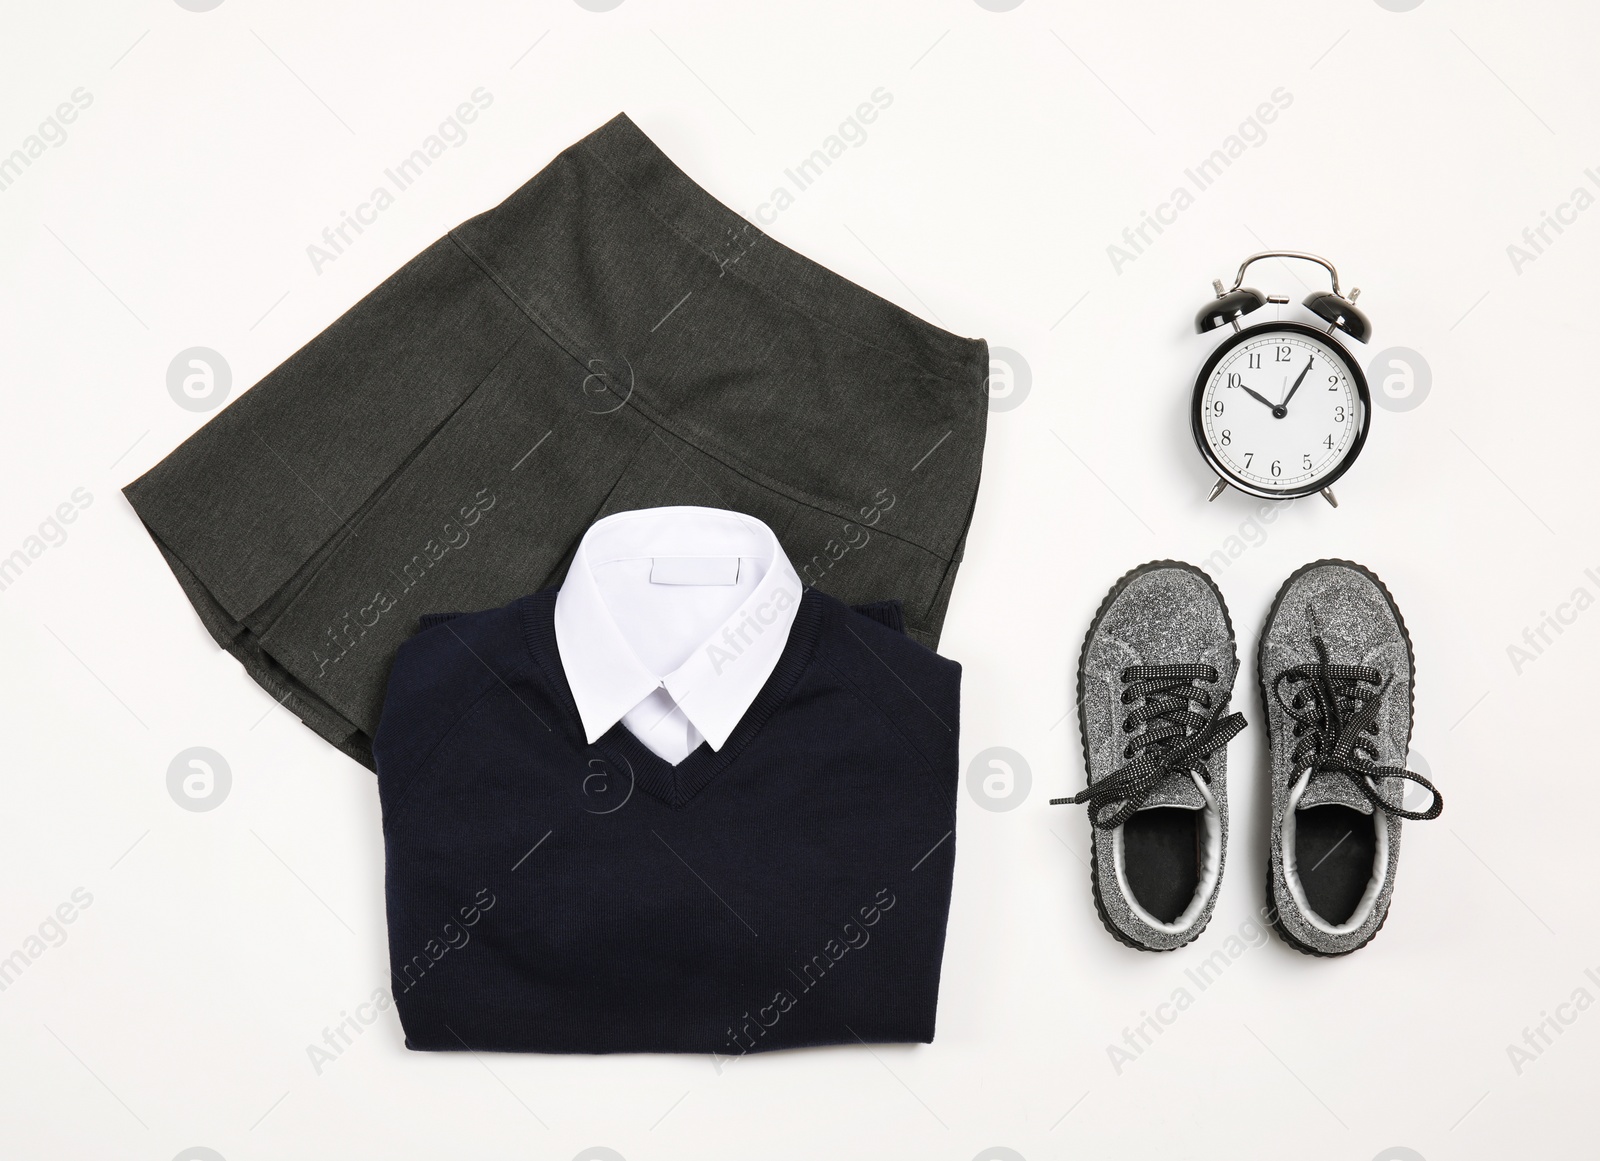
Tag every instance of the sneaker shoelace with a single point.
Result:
(1335, 711)
(1176, 738)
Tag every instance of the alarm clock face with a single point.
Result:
(1280, 410)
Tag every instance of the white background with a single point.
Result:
(178, 1008)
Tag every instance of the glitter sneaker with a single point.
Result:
(1337, 675)
(1154, 679)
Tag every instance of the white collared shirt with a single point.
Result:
(671, 620)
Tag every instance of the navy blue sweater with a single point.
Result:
(547, 895)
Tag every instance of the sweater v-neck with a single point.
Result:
(674, 785)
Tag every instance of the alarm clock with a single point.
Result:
(1281, 409)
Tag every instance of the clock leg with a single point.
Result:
(1327, 494)
(1220, 487)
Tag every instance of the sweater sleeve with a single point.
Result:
(916, 689)
(438, 675)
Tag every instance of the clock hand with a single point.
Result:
(1255, 395)
(1304, 372)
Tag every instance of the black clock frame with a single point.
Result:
(1340, 352)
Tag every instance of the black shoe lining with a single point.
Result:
(1334, 850)
(1161, 850)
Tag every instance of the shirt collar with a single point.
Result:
(724, 671)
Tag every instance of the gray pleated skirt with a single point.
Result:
(609, 337)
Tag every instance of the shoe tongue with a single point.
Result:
(1333, 790)
(1177, 790)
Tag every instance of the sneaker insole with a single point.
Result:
(1161, 854)
(1334, 848)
